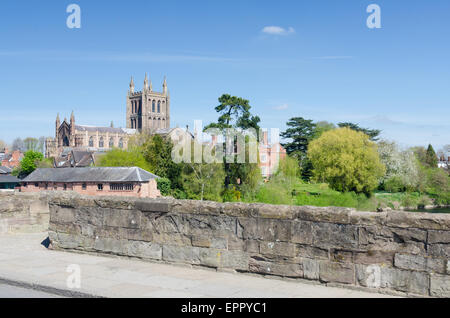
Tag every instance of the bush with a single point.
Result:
(231, 195)
(164, 186)
(394, 185)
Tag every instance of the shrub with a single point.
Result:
(164, 186)
(231, 195)
(394, 184)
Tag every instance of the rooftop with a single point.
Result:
(5, 170)
(90, 174)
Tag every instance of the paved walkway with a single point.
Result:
(24, 260)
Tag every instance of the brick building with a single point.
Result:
(7, 181)
(270, 155)
(10, 159)
(114, 181)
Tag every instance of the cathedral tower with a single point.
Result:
(148, 110)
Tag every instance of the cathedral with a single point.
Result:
(146, 110)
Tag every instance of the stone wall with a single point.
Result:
(23, 213)
(389, 251)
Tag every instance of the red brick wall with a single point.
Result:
(140, 190)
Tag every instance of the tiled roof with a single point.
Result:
(91, 174)
(111, 130)
(5, 170)
(8, 179)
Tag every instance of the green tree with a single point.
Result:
(431, 157)
(124, 158)
(372, 133)
(31, 160)
(347, 160)
(299, 134)
(157, 151)
(31, 144)
(235, 113)
(323, 126)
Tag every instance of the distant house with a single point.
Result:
(444, 161)
(114, 181)
(270, 155)
(7, 181)
(10, 159)
(74, 158)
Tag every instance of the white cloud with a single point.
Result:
(277, 30)
(281, 107)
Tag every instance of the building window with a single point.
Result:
(101, 143)
(121, 143)
(100, 187)
(84, 186)
(159, 106)
(91, 141)
(263, 158)
(111, 142)
(121, 186)
(46, 186)
(153, 106)
(65, 187)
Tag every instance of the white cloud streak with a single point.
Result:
(277, 30)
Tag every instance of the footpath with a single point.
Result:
(24, 262)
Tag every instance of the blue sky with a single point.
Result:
(327, 65)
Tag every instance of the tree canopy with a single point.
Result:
(347, 160)
(372, 133)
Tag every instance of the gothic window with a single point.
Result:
(140, 107)
(111, 142)
(121, 143)
(153, 106)
(159, 123)
(66, 142)
(91, 141)
(159, 106)
(101, 143)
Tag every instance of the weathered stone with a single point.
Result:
(405, 281)
(440, 286)
(374, 257)
(172, 239)
(152, 206)
(240, 210)
(111, 245)
(237, 260)
(336, 272)
(62, 215)
(282, 212)
(274, 230)
(277, 248)
(181, 254)
(261, 266)
(367, 218)
(419, 263)
(322, 214)
(418, 220)
(312, 252)
(439, 250)
(302, 232)
(144, 250)
(235, 244)
(311, 268)
(442, 237)
(335, 235)
(122, 218)
(252, 246)
(341, 256)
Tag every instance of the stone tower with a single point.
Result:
(148, 110)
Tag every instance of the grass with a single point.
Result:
(296, 192)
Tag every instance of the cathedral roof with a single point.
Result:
(111, 130)
(91, 174)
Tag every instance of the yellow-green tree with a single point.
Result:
(347, 160)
